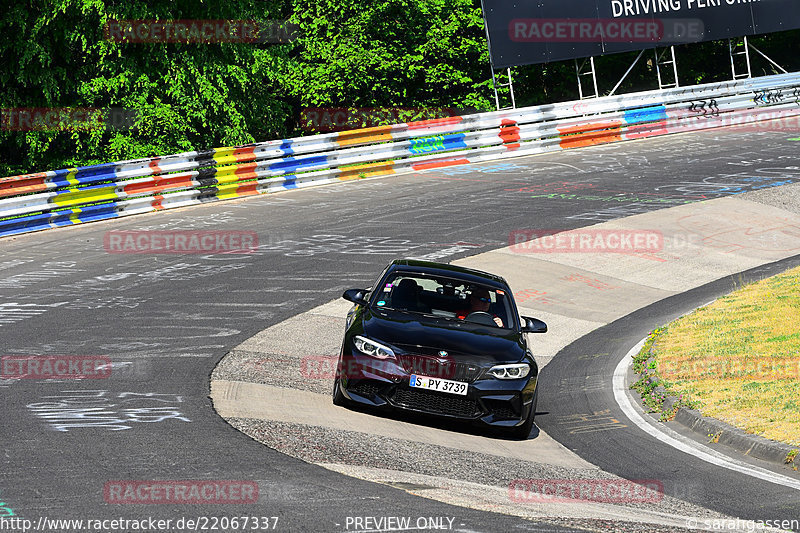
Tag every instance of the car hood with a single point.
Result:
(464, 342)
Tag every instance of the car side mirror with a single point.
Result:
(355, 295)
(533, 325)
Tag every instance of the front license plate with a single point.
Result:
(441, 385)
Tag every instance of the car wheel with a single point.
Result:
(338, 396)
(523, 432)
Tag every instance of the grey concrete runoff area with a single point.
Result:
(254, 384)
(207, 350)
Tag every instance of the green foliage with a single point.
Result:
(653, 389)
(389, 53)
(188, 96)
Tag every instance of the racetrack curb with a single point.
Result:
(751, 445)
(717, 431)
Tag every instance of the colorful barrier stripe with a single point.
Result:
(64, 197)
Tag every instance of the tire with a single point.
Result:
(524, 431)
(338, 396)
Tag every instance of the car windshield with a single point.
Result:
(447, 298)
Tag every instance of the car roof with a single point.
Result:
(444, 269)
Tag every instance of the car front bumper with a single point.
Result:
(384, 384)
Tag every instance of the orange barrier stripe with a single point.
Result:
(584, 128)
(366, 135)
(13, 190)
(24, 177)
(244, 176)
(21, 184)
(247, 189)
(590, 134)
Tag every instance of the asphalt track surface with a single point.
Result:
(587, 365)
(165, 320)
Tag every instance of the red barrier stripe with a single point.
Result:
(246, 169)
(245, 154)
(154, 165)
(509, 133)
(440, 164)
(446, 121)
(159, 184)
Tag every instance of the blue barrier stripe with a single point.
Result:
(108, 207)
(100, 215)
(437, 143)
(97, 170)
(645, 114)
(74, 179)
(289, 164)
(16, 229)
(58, 215)
(286, 147)
(25, 220)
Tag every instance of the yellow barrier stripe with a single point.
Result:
(230, 190)
(82, 197)
(71, 179)
(368, 170)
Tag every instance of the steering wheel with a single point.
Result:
(481, 317)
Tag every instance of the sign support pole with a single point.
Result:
(581, 70)
(495, 85)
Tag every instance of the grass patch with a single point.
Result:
(738, 359)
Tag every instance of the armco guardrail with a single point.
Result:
(77, 195)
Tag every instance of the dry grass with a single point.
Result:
(740, 358)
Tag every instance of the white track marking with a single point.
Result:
(678, 441)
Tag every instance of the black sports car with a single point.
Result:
(443, 340)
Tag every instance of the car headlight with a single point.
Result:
(513, 371)
(372, 348)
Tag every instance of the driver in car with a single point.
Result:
(479, 301)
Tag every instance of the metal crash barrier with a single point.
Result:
(64, 197)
